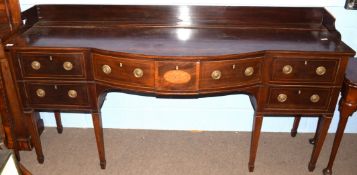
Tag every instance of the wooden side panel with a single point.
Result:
(15, 11)
(15, 127)
(10, 14)
(3, 12)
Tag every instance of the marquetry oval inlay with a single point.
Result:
(177, 76)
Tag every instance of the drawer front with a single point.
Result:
(48, 94)
(52, 65)
(177, 76)
(124, 71)
(305, 70)
(220, 74)
(287, 98)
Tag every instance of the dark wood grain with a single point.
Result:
(171, 14)
(179, 51)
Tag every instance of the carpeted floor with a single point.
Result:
(146, 152)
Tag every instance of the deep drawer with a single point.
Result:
(51, 94)
(286, 98)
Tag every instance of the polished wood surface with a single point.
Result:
(181, 30)
(289, 61)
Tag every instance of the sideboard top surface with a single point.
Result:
(180, 30)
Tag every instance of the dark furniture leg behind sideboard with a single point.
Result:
(58, 122)
(295, 125)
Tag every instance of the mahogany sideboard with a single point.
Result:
(66, 58)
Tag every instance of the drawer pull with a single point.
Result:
(249, 71)
(314, 98)
(40, 93)
(282, 98)
(36, 65)
(67, 66)
(72, 93)
(106, 69)
(216, 75)
(321, 70)
(138, 73)
(287, 69)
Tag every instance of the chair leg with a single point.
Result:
(295, 125)
(35, 136)
(58, 122)
(345, 112)
(98, 130)
(257, 125)
(325, 124)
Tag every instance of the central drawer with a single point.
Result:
(177, 76)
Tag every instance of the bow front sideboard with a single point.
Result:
(66, 58)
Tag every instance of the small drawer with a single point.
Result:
(286, 98)
(123, 71)
(50, 94)
(304, 70)
(230, 73)
(176, 76)
(52, 65)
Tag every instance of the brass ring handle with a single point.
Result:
(40, 93)
(216, 75)
(106, 69)
(36, 65)
(321, 70)
(67, 66)
(287, 69)
(72, 93)
(249, 71)
(315, 98)
(282, 98)
(138, 72)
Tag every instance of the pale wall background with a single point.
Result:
(227, 113)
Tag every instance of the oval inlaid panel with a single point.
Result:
(177, 76)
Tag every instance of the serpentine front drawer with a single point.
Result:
(50, 65)
(230, 73)
(123, 71)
